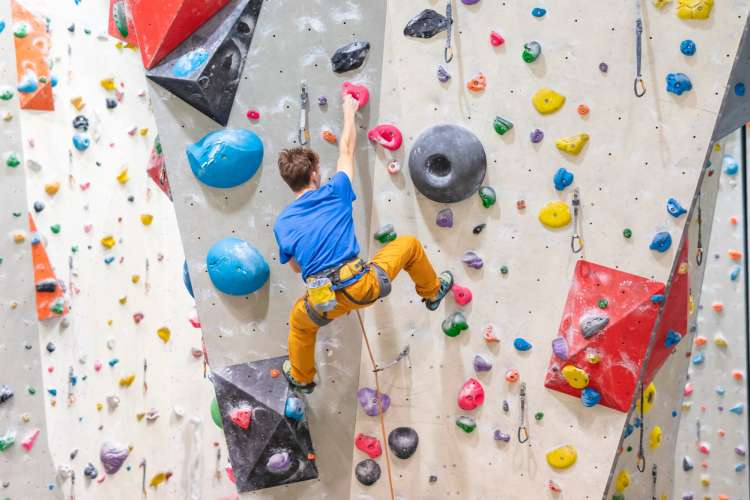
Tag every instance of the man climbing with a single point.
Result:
(315, 235)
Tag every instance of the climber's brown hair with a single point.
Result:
(297, 165)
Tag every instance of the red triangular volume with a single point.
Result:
(162, 25)
(50, 296)
(617, 312)
(157, 170)
(120, 23)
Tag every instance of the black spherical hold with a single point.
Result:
(350, 56)
(90, 471)
(447, 163)
(38, 206)
(403, 441)
(80, 122)
(111, 103)
(367, 472)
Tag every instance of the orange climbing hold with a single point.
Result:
(734, 254)
(50, 301)
(733, 220)
(583, 110)
(478, 83)
(717, 307)
(329, 136)
(32, 56)
(274, 373)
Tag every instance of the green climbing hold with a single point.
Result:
(6, 95)
(538, 416)
(618, 496)
(504, 270)
(12, 160)
(502, 125)
(454, 324)
(386, 234)
(31, 390)
(603, 303)
(629, 449)
(58, 307)
(120, 18)
(55, 228)
(488, 196)
(7, 440)
(215, 414)
(74, 248)
(627, 233)
(21, 30)
(531, 51)
(466, 423)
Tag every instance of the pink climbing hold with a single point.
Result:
(688, 391)
(461, 295)
(369, 445)
(30, 439)
(242, 417)
(253, 114)
(358, 92)
(496, 39)
(489, 334)
(387, 135)
(471, 395)
(230, 474)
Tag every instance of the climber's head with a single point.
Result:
(300, 168)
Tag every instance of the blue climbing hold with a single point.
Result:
(740, 467)
(661, 242)
(190, 62)
(186, 279)
(629, 430)
(236, 267)
(53, 80)
(521, 344)
(538, 12)
(657, 298)
(699, 358)
(52, 392)
(677, 83)
(731, 167)
(734, 273)
(112, 362)
(563, 178)
(739, 89)
(294, 408)
(673, 338)
(737, 409)
(226, 158)
(81, 142)
(2, 26)
(674, 208)
(687, 47)
(720, 390)
(590, 397)
(29, 83)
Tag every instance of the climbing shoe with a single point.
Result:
(286, 369)
(446, 283)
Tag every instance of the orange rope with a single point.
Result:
(380, 409)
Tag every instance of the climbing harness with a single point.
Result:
(576, 248)
(403, 354)
(304, 130)
(653, 482)
(380, 402)
(639, 88)
(523, 427)
(641, 461)
(699, 249)
(448, 54)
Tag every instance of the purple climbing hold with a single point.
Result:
(442, 74)
(113, 455)
(536, 136)
(501, 436)
(369, 403)
(472, 259)
(279, 462)
(481, 364)
(560, 348)
(469, 2)
(603, 67)
(322, 101)
(444, 218)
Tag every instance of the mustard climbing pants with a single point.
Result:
(405, 252)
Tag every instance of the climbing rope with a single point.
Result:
(639, 88)
(375, 370)
(641, 462)
(699, 250)
(523, 428)
(448, 55)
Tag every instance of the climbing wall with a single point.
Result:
(24, 434)
(285, 50)
(641, 152)
(715, 393)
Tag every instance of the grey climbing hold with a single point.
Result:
(560, 348)
(38, 206)
(5, 393)
(279, 462)
(403, 441)
(687, 463)
(481, 364)
(367, 472)
(442, 74)
(447, 163)
(426, 24)
(444, 218)
(90, 471)
(472, 259)
(591, 324)
(501, 436)
(350, 56)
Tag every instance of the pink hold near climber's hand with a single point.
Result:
(387, 135)
(358, 92)
(461, 295)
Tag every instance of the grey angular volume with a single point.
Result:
(350, 56)
(426, 24)
(205, 69)
(273, 450)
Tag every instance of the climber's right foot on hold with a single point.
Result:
(446, 283)
(286, 369)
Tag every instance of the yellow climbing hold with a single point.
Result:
(123, 176)
(123, 300)
(51, 188)
(108, 242)
(661, 3)
(164, 334)
(654, 439)
(78, 103)
(694, 9)
(576, 378)
(691, 304)
(649, 393)
(573, 144)
(135, 279)
(109, 84)
(622, 481)
(147, 219)
(705, 480)
(555, 214)
(126, 381)
(562, 457)
(593, 356)
(143, 132)
(547, 101)
(159, 478)
(720, 340)
(99, 407)
(19, 237)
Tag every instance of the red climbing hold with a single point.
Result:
(253, 115)
(358, 92)
(242, 417)
(496, 39)
(471, 395)
(387, 135)
(50, 296)
(461, 295)
(162, 26)
(368, 444)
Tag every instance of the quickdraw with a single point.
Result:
(641, 462)
(639, 88)
(523, 427)
(448, 54)
(699, 249)
(653, 482)
(576, 243)
(304, 130)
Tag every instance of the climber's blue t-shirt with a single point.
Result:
(317, 229)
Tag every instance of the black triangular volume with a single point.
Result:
(205, 69)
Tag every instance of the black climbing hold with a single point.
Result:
(367, 472)
(90, 471)
(38, 206)
(426, 24)
(447, 163)
(50, 347)
(48, 285)
(72, 28)
(433, 479)
(350, 56)
(131, 198)
(111, 103)
(479, 228)
(403, 441)
(274, 450)
(205, 69)
(5, 393)
(80, 122)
